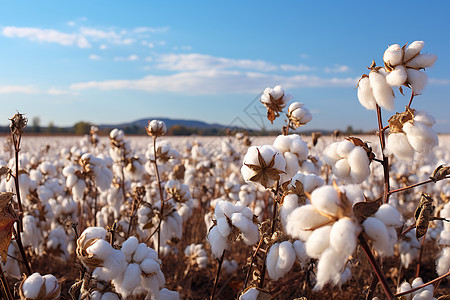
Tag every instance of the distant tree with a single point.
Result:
(82, 128)
(51, 127)
(36, 124)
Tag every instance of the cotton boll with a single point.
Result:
(343, 236)
(365, 94)
(299, 148)
(422, 117)
(280, 259)
(250, 294)
(282, 142)
(382, 91)
(377, 231)
(344, 148)
(110, 296)
(387, 214)
(302, 219)
(318, 241)
(101, 249)
(241, 222)
(329, 268)
(398, 145)
(141, 253)
(359, 164)
(165, 294)
(311, 182)
(418, 282)
(413, 49)
(131, 278)
(422, 61)
(94, 232)
(300, 252)
(217, 241)
(393, 55)
(417, 79)
(149, 266)
(291, 164)
(251, 236)
(32, 285)
(397, 77)
(326, 200)
(341, 169)
(443, 261)
(51, 284)
(271, 261)
(404, 287)
(229, 266)
(424, 295)
(223, 227)
(130, 246)
(421, 137)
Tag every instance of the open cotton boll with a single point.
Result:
(282, 142)
(341, 169)
(229, 266)
(142, 251)
(300, 252)
(149, 266)
(94, 232)
(299, 148)
(130, 246)
(330, 154)
(101, 249)
(379, 233)
(418, 282)
(417, 79)
(318, 241)
(165, 294)
(443, 261)
(424, 60)
(422, 117)
(51, 284)
(424, 295)
(421, 137)
(390, 216)
(217, 241)
(291, 164)
(359, 165)
(413, 49)
(301, 220)
(250, 294)
(131, 279)
(397, 77)
(280, 259)
(32, 285)
(343, 236)
(382, 91)
(251, 236)
(326, 200)
(223, 227)
(365, 94)
(398, 145)
(311, 182)
(393, 55)
(404, 287)
(329, 268)
(344, 148)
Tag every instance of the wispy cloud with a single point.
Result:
(213, 82)
(151, 29)
(95, 57)
(435, 81)
(337, 69)
(18, 89)
(131, 57)
(297, 68)
(57, 92)
(46, 35)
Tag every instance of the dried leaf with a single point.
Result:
(4, 170)
(5, 198)
(363, 210)
(396, 121)
(148, 225)
(440, 173)
(6, 228)
(423, 214)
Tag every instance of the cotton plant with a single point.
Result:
(298, 115)
(425, 293)
(196, 255)
(411, 132)
(409, 248)
(38, 287)
(231, 222)
(179, 195)
(349, 160)
(295, 152)
(275, 100)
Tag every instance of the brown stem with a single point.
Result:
(216, 280)
(411, 99)
(411, 227)
(420, 255)
(133, 214)
(410, 186)
(161, 212)
(372, 287)
(385, 158)
(247, 277)
(5, 285)
(16, 180)
(423, 285)
(22, 251)
(375, 267)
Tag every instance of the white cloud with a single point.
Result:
(18, 89)
(132, 57)
(435, 81)
(99, 34)
(46, 35)
(95, 57)
(297, 68)
(103, 47)
(55, 92)
(150, 29)
(195, 61)
(213, 82)
(337, 69)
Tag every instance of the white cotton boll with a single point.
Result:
(444, 237)
(94, 232)
(413, 49)
(421, 137)
(282, 142)
(141, 253)
(224, 208)
(330, 154)
(241, 222)
(223, 227)
(422, 117)
(251, 236)
(383, 238)
(131, 277)
(404, 287)
(424, 295)
(390, 216)
(417, 79)
(166, 294)
(291, 164)
(318, 241)
(397, 77)
(341, 169)
(51, 283)
(250, 294)
(229, 266)
(286, 257)
(32, 285)
(423, 61)
(418, 282)
(443, 261)
(311, 182)
(301, 220)
(130, 246)
(149, 266)
(300, 251)
(329, 268)
(393, 55)
(271, 261)
(365, 94)
(398, 145)
(78, 190)
(114, 265)
(359, 165)
(326, 200)
(101, 249)
(382, 91)
(217, 242)
(344, 148)
(299, 148)
(343, 236)
(110, 296)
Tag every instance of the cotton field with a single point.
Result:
(236, 216)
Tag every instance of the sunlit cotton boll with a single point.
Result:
(197, 255)
(318, 241)
(382, 91)
(417, 79)
(263, 175)
(40, 287)
(378, 232)
(393, 55)
(398, 145)
(365, 94)
(397, 77)
(420, 136)
(156, 128)
(280, 259)
(298, 114)
(302, 219)
(443, 261)
(413, 49)
(422, 61)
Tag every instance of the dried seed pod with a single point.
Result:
(423, 214)
(440, 173)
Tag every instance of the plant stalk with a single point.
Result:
(385, 158)
(216, 280)
(161, 212)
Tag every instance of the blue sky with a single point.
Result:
(119, 61)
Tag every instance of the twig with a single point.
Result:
(411, 99)
(420, 254)
(252, 260)
(423, 285)
(411, 227)
(161, 212)
(22, 251)
(410, 186)
(216, 280)
(385, 158)
(372, 287)
(5, 285)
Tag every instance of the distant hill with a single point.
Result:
(169, 123)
